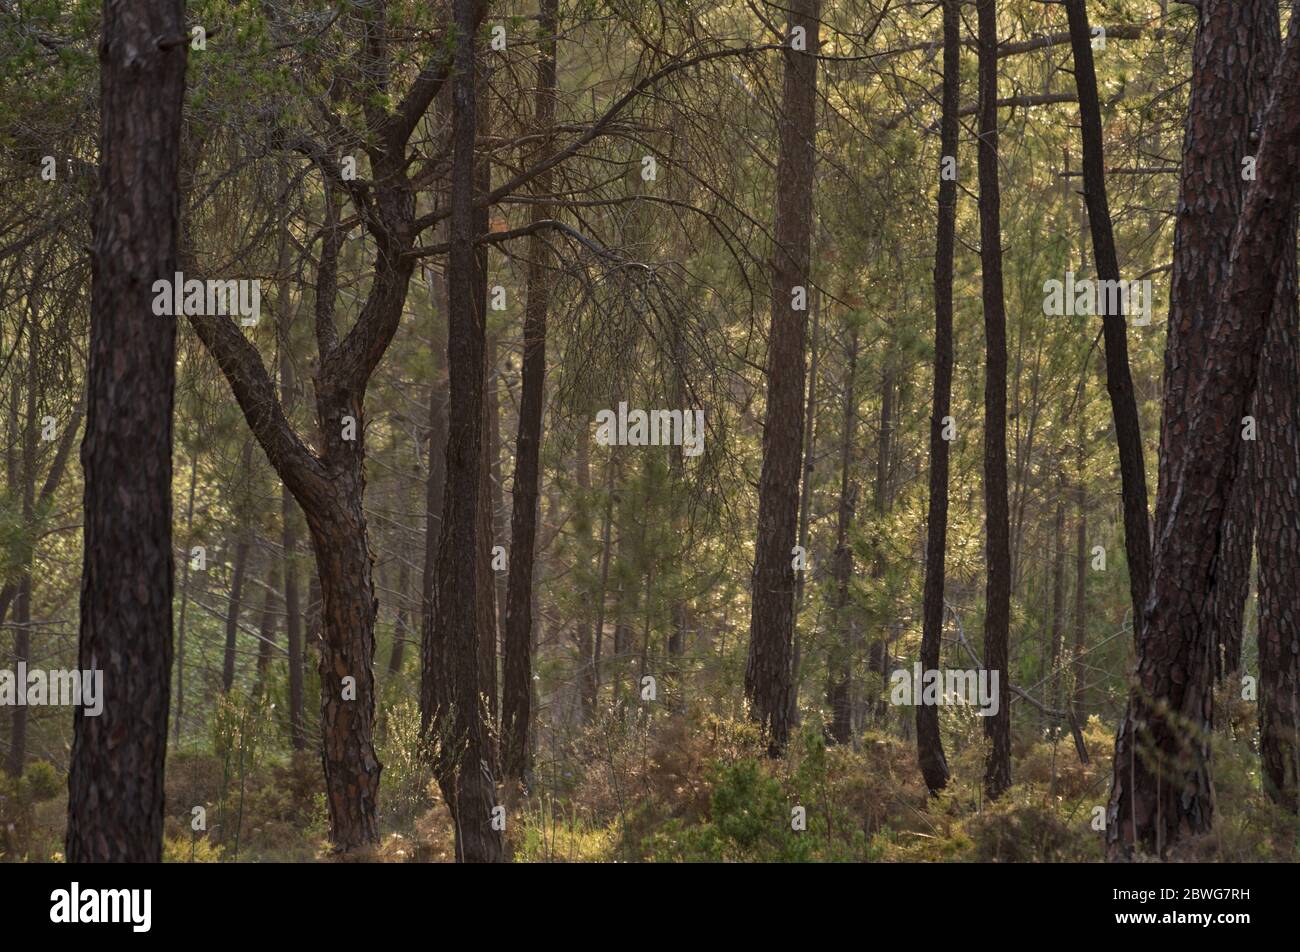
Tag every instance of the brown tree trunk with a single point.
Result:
(1162, 790)
(1058, 601)
(997, 727)
(929, 743)
(266, 629)
(1119, 381)
(1278, 474)
(239, 567)
(464, 760)
(1236, 46)
(115, 782)
(767, 670)
(839, 694)
(435, 489)
(23, 604)
(293, 620)
(347, 647)
(185, 598)
(805, 502)
(401, 624)
(1080, 699)
(517, 687)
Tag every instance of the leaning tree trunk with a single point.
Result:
(115, 781)
(997, 609)
(1119, 381)
(517, 686)
(767, 669)
(1162, 791)
(929, 744)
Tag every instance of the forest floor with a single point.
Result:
(687, 787)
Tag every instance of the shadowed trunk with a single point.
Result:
(115, 781)
(1162, 790)
(997, 595)
(929, 743)
(517, 687)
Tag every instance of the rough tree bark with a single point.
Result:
(463, 763)
(115, 781)
(997, 728)
(1161, 791)
(767, 670)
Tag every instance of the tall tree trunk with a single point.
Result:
(586, 625)
(347, 647)
(767, 670)
(115, 782)
(878, 652)
(1119, 382)
(293, 620)
(1080, 699)
(238, 569)
(1058, 599)
(266, 629)
(185, 597)
(435, 489)
(929, 743)
(289, 525)
(997, 727)
(1162, 790)
(516, 701)
(1236, 45)
(464, 759)
(1278, 474)
(23, 604)
(401, 624)
(839, 692)
(607, 527)
(805, 502)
